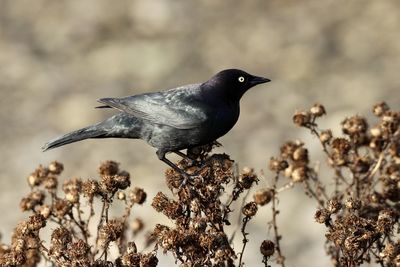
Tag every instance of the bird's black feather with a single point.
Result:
(174, 119)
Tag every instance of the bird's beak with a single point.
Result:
(258, 80)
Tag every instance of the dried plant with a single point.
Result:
(361, 210)
(73, 240)
(358, 202)
(198, 237)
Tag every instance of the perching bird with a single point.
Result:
(175, 119)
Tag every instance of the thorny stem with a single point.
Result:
(313, 194)
(79, 224)
(239, 217)
(233, 196)
(104, 217)
(91, 214)
(107, 206)
(281, 259)
(319, 188)
(103, 207)
(245, 240)
(314, 131)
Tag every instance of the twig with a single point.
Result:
(245, 240)
(239, 217)
(99, 225)
(281, 259)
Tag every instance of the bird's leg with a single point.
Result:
(183, 155)
(192, 162)
(161, 156)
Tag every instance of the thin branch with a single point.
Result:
(281, 259)
(245, 240)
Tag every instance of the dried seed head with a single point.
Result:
(72, 186)
(199, 224)
(45, 210)
(250, 209)
(78, 250)
(223, 254)
(60, 239)
(322, 216)
(299, 174)
(334, 205)
(288, 171)
(352, 204)
(288, 148)
(122, 180)
(137, 195)
(263, 196)
(247, 178)
(19, 245)
(148, 260)
(169, 239)
(386, 221)
(173, 179)
(300, 154)
(72, 197)
(325, 136)
(277, 165)
(111, 231)
(341, 145)
(108, 168)
(195, 206)
(61, 207)
(391, 251)
(50, 182)
(90, 188)
(36, 221)
(302, 118)
(130, 259)
(394, 149)
(171, 208)
(56, 167)
(380, 108)
(108, 184)
(390, 123)
(267, 248)
(317, 110)
(36, 178)
(35, 198)
(354, 125)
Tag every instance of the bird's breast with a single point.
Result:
(224, 119)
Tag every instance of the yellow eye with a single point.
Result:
(241, 79)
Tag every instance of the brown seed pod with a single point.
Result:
(302, 118)
(263, 196)
(250, 209)
(267, 248)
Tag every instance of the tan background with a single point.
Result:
(58, 57)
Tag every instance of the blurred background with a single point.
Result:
(58, 57)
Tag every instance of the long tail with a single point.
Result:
(88, 132)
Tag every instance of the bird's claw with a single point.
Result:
(189, 179)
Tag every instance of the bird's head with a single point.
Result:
(233, 83)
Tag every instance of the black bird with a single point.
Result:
(175, 119)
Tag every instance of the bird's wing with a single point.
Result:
(176, 108)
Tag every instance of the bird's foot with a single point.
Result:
(190, 179)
